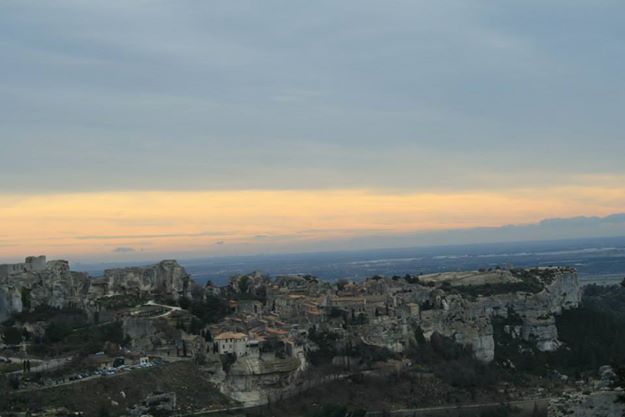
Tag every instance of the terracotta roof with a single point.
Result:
(230, 335)
(276, 331)
(314, 311)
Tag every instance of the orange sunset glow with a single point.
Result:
(219, 222)
(134, 132)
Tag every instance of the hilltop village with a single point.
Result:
(259, 339)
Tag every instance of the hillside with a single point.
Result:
(191, 386)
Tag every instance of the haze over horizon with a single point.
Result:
(131, 130)
(563, 231)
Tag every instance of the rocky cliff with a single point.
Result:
(527, 304)
(25, 286)
(256, 380)
(165, 278)
(49, 283)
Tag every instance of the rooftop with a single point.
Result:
(230, 335)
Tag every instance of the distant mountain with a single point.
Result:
(548, 229)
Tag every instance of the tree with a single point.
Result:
(26, 299)
(208, 335)
(211, 310)
(272, 344)
(14, 382)
(227, 361)
(244, 284)
(196, 326)
(184, 303)
(341, 284)
(619, 382)
(332, 411)
(55, 332)
(12, 336)
(419, 336)
(623, 283)
(503, 410)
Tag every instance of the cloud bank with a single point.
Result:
(163, 224)
(233, 94)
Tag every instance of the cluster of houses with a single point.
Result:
(280, 312)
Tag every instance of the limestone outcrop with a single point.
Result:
(467, 323)
(530, 315)
(255, 380)
(37, 282)
(166, 278)
(464, 306)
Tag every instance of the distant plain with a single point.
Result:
(598, 260)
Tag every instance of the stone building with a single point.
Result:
(253, 307)
(230, 342)
(31, 264)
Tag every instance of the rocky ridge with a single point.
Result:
(383, 312)
(38, 282)
(466, 307)
(530, 316)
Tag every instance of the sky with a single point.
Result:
(144, 128)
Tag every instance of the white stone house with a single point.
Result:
(230, 342)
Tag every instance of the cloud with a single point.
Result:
(420, 96)
(545, 230)
(277, 126)
(124, 249)
(549, 229)
(149, 236)
(220, 242)
(583, 221)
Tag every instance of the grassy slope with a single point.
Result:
(192, 389)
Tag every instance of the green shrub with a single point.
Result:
(26, 299)
(12, 335)
(331, 411)
(210, 310)
(56, 332)
(591, 334)
(326, 341)
(83, 340)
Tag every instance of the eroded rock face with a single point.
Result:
(37, 283)
(149, 334)
(469, 321)
(255, 380)
(166, 278)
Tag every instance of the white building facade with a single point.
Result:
(229, 342)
